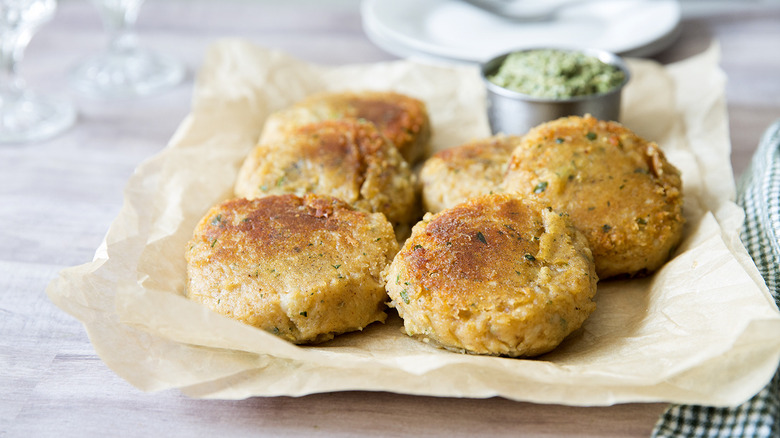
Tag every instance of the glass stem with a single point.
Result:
(119, 17)
(12, 46)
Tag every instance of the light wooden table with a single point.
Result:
(58, 197)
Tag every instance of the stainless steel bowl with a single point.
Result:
(514, 113)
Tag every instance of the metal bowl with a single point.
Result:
(514, 113)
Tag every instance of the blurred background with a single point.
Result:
(332, 32)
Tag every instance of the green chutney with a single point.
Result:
(556, 74)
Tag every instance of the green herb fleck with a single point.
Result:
(481, 237)
(404, 296)
(336, 266)
(417, 247)
(591, 136)
(530, 258)
(304, 314)
(217, 219)
(559, 140)
(213, 242)
(542, 186)
(606, 228)
(641, 221)
(264, 188)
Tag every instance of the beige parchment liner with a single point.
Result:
(704, 329)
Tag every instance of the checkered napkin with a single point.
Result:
(759, 195)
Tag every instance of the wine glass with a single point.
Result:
(24, 115)
(124, 69)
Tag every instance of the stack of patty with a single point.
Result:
(519, 229)
(301, 250)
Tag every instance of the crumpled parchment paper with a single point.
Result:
(703, 329)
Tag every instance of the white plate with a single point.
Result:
(452, 30)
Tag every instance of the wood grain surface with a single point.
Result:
(57, 199)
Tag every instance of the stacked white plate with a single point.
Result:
(454, 30)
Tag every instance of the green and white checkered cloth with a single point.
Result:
(759, 195)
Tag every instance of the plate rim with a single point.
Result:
(402, 44)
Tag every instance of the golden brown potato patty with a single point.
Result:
(347, 159)
(304, 269)
(401, 118)
(495, 275)
(618, 189)
(454, 175)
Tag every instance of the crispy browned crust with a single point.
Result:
(618, 189)
(303, 268)
(401, 118)
(273, 225)
(348, 159)
(456, 174)
(495, 275)
(473, 243)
